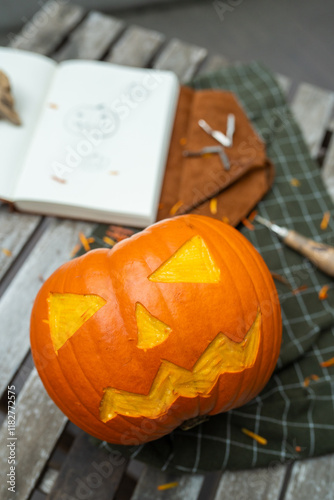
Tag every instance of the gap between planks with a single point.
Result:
(51, 250)
(91, 39)
(327, 172)
(24, 244)
(15, 231)
(312, 479)
(39, 424)
(48, 27)
(97, 477)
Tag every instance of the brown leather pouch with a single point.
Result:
(192, 182)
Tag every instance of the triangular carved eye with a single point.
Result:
(151, 331)
(191, 263)
(68, 312)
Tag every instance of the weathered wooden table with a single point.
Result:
(54, 459)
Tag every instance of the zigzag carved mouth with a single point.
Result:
(171, 382)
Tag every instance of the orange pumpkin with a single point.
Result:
(179, 321)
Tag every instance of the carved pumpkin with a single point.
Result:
(178, 321)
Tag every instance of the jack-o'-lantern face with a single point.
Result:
(162, 335)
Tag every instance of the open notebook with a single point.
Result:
(94, 138)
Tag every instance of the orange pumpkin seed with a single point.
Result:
(325, 220)
(167, 486)
(326, 364)
(323, 294)
(254, 436)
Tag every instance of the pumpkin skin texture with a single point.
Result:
(179, 321)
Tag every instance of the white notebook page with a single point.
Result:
(102, 140)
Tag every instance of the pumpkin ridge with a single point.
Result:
(94, 253)
(243, 374)
(71, 348)
(256, 258)
(235, 247)
(50, 389)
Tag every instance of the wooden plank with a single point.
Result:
(214, 63)
(48, 27)
(284, 82)
(182, 58)
(312, 479)
(88, 472)
(39, 424)
(313, 108)
(51, 251)
(258, 484)
(15, 230)
(92, 38)
(327, 171)
(188, 486)
(136, 47)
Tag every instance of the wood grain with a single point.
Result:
(312, 479)
(313, 108)
(214, 63)
(136, 47)
(48, 28)
(92, 38)
(39, 424)
(52, 250)
(182, 58)
(188, 486)
(258, 484)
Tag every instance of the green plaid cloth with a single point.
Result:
(297, 419)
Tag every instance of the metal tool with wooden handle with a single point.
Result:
(320, 254)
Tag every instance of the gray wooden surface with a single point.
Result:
(39, 423)
(312, 479)
(182, 58)
(12, 241)
(92, 38)
(47, 29)
(136, 47)
(188, 486)
(263, 484)
(66, 33)
(313, 108)
(51, 251)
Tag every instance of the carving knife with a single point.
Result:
(216, 134)
(320, 254)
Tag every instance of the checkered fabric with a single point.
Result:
(295, 411)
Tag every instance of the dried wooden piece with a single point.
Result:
(7, 110)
